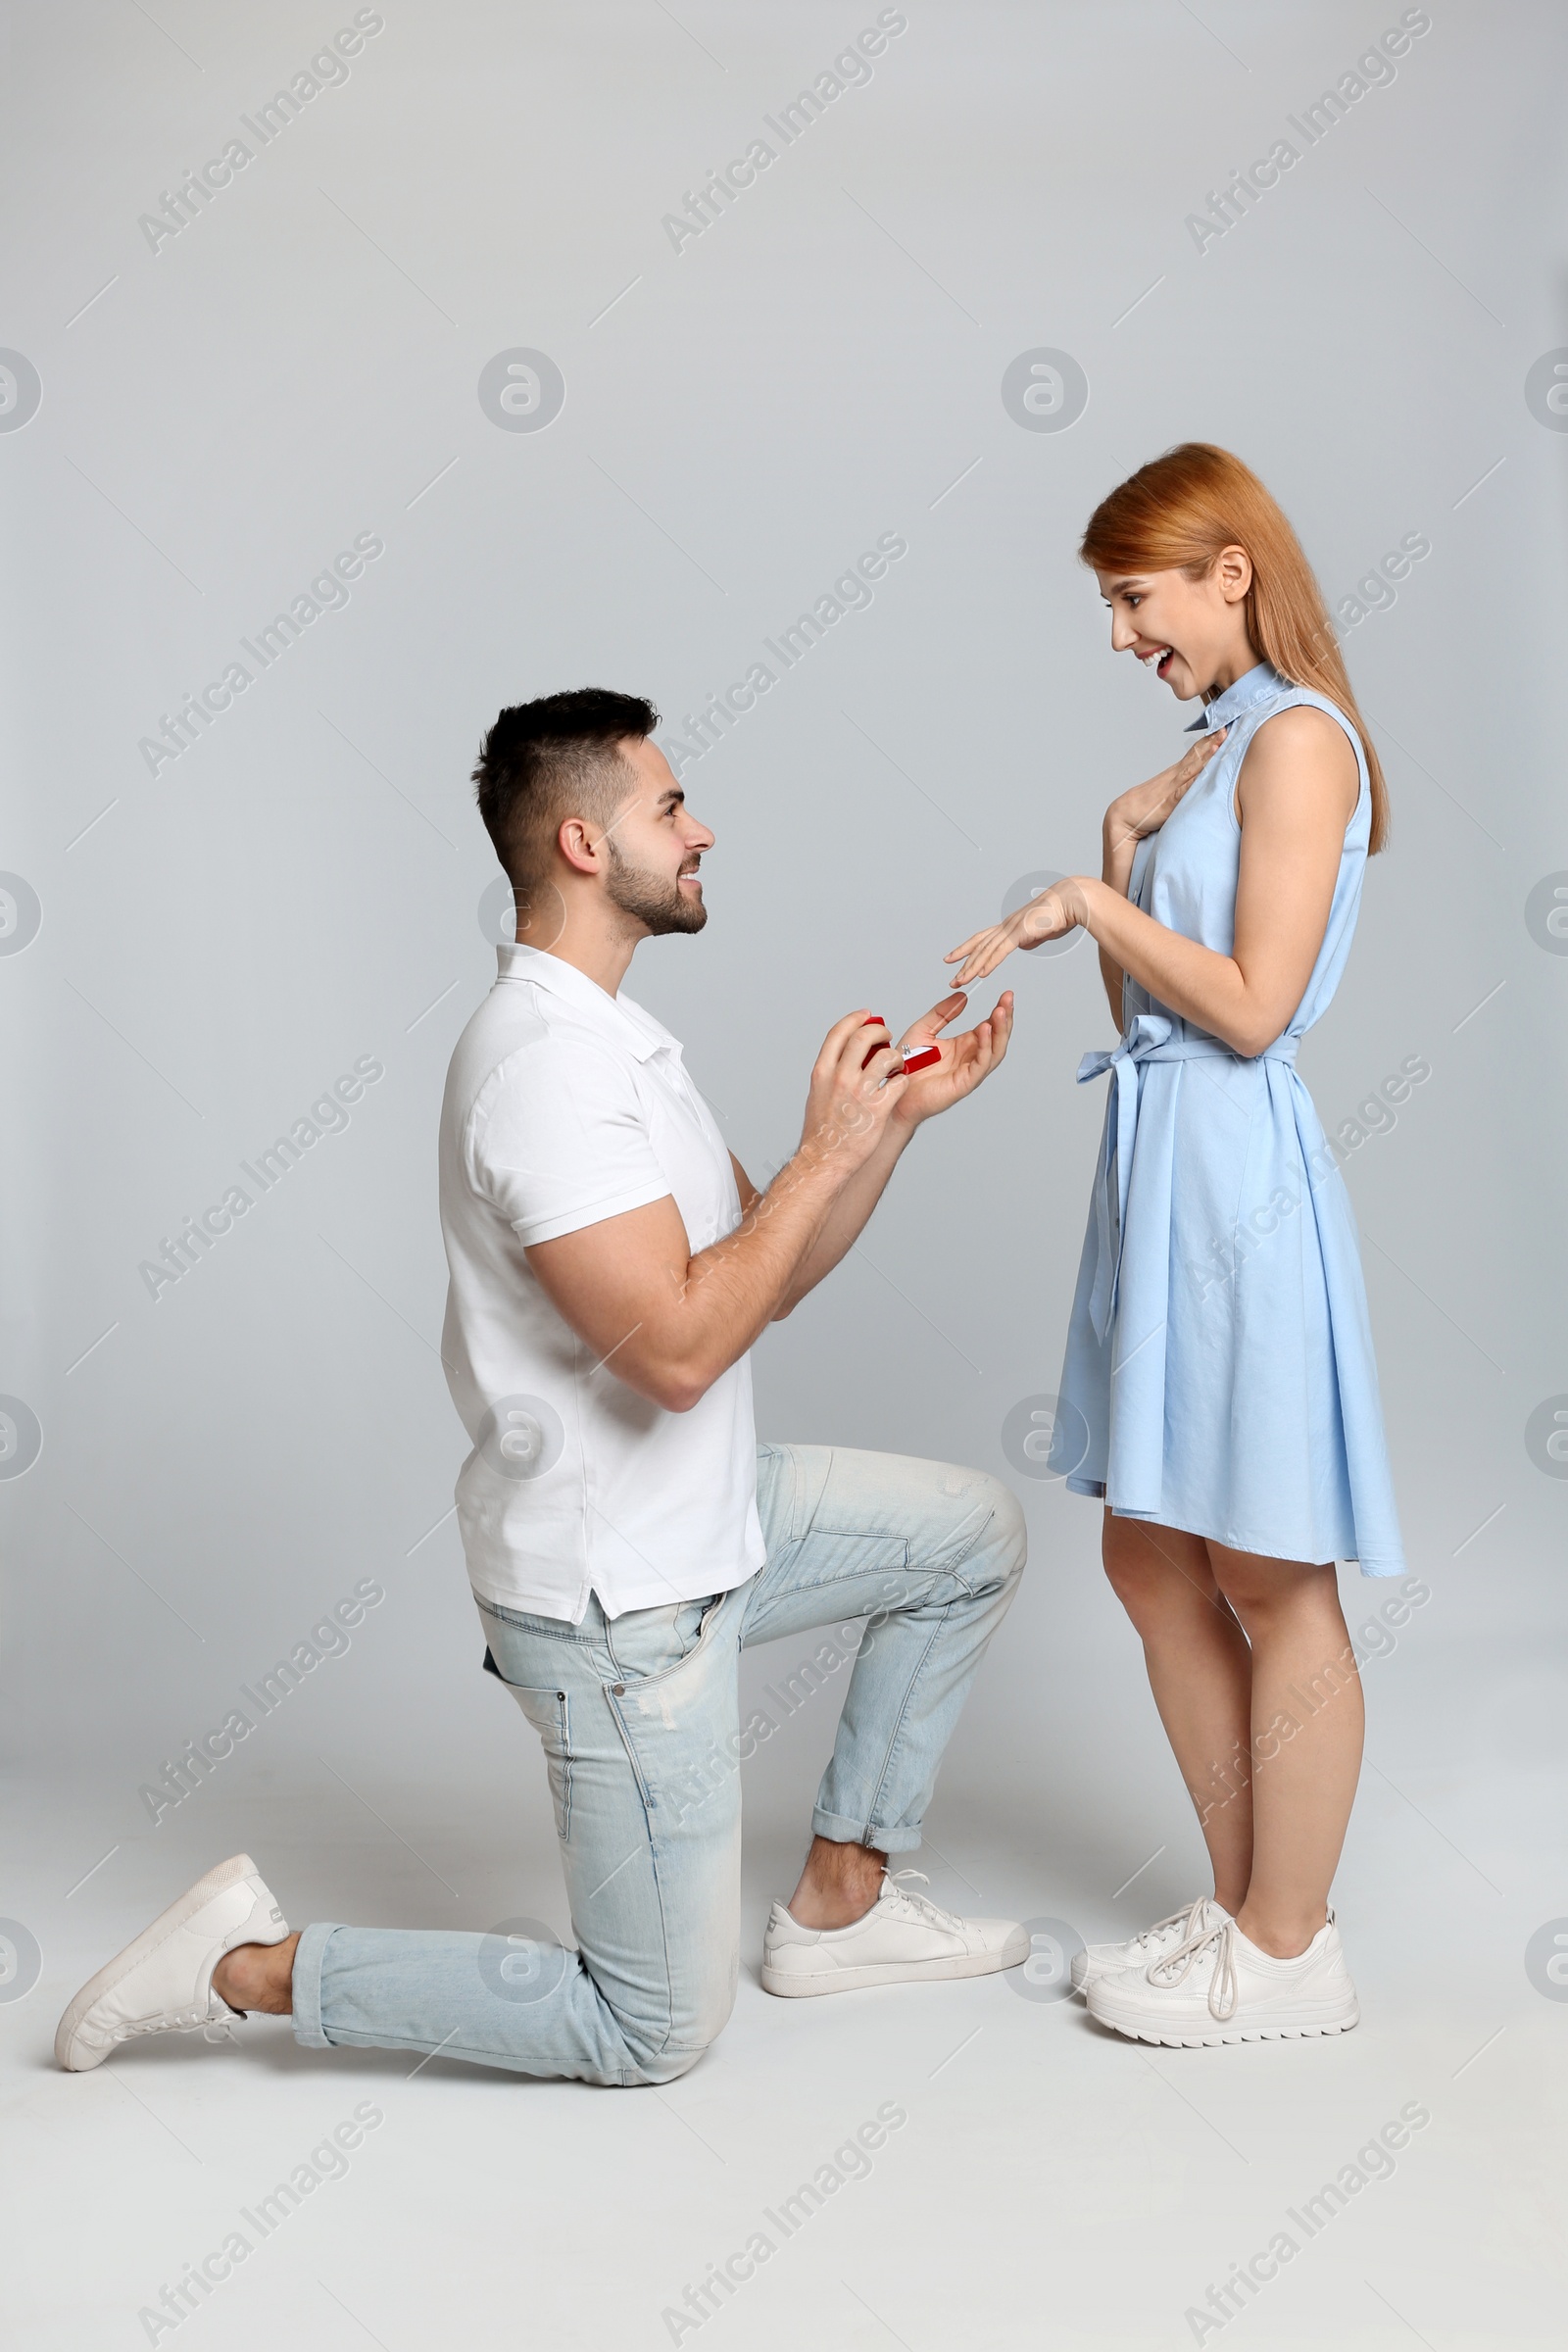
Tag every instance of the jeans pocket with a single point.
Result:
(549, 1713)
(646, 1643)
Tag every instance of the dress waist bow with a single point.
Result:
(1149, 1037)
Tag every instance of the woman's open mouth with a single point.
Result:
(1158, 658)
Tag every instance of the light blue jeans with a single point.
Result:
(639, 1716)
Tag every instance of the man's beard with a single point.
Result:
(658, 904)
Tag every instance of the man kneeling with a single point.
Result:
(611, 1265)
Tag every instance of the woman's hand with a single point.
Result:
(1057, 910)
(1142, 811)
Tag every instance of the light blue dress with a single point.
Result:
(1219, 1373)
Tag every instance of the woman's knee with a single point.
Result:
(1260, 1589)
(1130, 1577)
(1149, 1575)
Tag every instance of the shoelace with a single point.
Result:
(1187, 1921)
(931, 1912)
(1222, 1984)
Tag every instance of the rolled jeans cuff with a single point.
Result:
(308, 1954)
(833, 1826)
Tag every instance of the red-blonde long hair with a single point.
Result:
(1177, 513)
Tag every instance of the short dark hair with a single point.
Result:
(553, 759)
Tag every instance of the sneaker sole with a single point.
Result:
(1304, 2030)
(792, 1985)
(114, 1971)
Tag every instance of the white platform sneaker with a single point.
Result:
(1100, 1959)
(904, 1938)
(1217, 1986)
(162, 1982)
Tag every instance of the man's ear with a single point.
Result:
(577, 845)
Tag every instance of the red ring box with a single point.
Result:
(917, 1058)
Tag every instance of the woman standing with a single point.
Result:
(1219, 1370)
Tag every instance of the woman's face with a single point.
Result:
(1192, 633)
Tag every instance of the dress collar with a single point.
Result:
(1259, 684)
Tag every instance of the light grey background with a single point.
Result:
(742, 416)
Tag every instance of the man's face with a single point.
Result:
(655, 846)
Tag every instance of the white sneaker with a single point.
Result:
(1216, 1987)
(162, 1982)
(1101, 1959)
(904, 1938)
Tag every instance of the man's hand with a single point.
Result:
(967, 1059)
(847, 1108)
(668, 1323)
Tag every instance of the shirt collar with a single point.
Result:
(1259, 684)
(637, 1029)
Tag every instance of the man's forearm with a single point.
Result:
(734, 1289)
(668, 1322)
(848, 1216)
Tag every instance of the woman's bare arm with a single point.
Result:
(1296, 793)
(1132, 816)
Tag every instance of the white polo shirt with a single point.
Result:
(563, 1107)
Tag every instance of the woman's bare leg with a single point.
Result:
(1200, 1673)
(1306, 1729)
